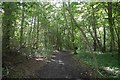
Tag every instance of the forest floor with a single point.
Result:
(59, 65)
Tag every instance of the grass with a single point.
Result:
(104, 60)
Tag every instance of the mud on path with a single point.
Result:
(63, 65)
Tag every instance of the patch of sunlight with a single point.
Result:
(53, 60)
(55, 51)
(61, 62)
(80, 18)
(113, 70)
(53, 56)
(43, 49)
(38, 55)
(57, 61)
(101, 29)
(30, 55)
(99, 52)
(58, 5)
(39, 59)
(48, 61)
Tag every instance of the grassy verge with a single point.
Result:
(107, 64)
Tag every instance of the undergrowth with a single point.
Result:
(104, 60)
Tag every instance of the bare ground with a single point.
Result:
(60, 65)
(63, 65)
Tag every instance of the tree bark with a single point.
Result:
(96, 41)
(6, 27)
(37, 39)
(73, 38)
(119, 39)
(104, 39)
(112, 44)
(22, 27)
(87, 41)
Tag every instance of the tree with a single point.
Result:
(22, 25)
(110, 19)
(7, 25)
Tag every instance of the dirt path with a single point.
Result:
(62, 65)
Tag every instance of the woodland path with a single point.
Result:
(63, 65)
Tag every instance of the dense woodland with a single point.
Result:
(39, 28)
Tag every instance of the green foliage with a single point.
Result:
(107, 59)
(39, 28)
(103, 60)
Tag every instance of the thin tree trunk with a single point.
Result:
(33, 35)
(87, 41)
(91, 35)
(29, 39)
(96, 41)
(112, 45)
(37, 44)
(30, 36)
(65, 15)
(104, 39)
(73, 38)
(45, 39)
(57, 36)
(22, 24)
(119, 39)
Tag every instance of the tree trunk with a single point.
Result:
(112, 44)
(119, 39)
(96, 41)
(104, 39)
(57, 36)
(6, 27)
(33, 35)
(87, 41)
(22, 24)
(30, 36)
(37, 44)
(73, 38)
